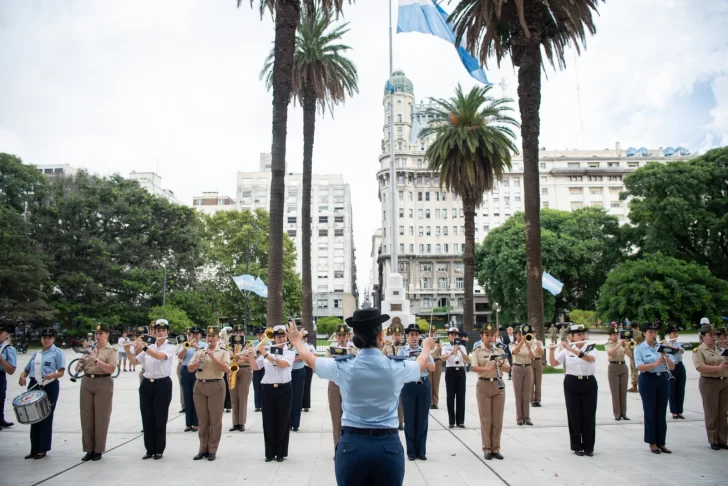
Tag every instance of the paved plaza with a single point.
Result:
(533, 455)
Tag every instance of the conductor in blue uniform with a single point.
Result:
(369, 451)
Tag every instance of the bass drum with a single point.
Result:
(32, 407)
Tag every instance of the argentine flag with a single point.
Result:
(428, 17)
(551, 284)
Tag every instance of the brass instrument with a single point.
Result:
(528, 338)
(234, 367)
(78, 373)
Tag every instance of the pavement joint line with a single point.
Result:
(105, 452)
(451, 432)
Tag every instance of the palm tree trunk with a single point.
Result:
(309, 127)
(287, 16)
(528, 59)
(469, 261)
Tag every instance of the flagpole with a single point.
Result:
(392, 171)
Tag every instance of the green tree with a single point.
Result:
(226, 240)
(423, 324)
(323, 77)
(177, 318)
(579, 249)
(286, 13)
(662, 288)
(472, 147)
(22, 186)
(520, 29)
(680, 209)
(586, 317)
(326, 325)
(201, 303)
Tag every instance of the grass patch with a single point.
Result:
(600, 347)
(550, 370)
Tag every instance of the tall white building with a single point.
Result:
(333, 269)
(57, 170)
(430, 220)
(152, 183)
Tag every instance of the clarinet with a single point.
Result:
(497, 369)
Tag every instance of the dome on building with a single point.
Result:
(400, 82)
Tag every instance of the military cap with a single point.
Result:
(259, 330)
(48, 332)
(102, 327)
(613, 329)
(575, 328)
(526, 329)
(161, 324)
(342, 329)
(488, 329)
(706, 328)
(649, 326)
(279, 330)
(672, 328)
(453, 330)
(212, 330)
(413, 328)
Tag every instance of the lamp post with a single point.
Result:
(497, 309)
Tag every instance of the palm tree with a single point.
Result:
(521, 29)
(473, 146)
(286, 14)
(322, 77)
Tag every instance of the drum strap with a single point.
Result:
(39, 369)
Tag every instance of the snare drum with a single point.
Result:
(32, 406)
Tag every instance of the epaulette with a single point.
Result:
(346, 357)
(397, 358)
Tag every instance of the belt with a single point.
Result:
(617, 362)
(581, 377)
(437, 359)
(371, 432)
(715, 377)
(422, 380)
(487, 379)
(98, 376)
(152, 380)
(659, 373)
(522, 365)
(537, 359)
(210, 381)
(276, 385)
(451, 368)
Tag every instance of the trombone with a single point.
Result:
(263, 343)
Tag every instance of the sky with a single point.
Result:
(173, 86)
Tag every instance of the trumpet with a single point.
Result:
(263, 343)
(629, 343)
(234, 367)
(528, 338)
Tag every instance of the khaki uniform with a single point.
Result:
(435, 375)
(563, 333)
(638, 338)
(96, 397)
(522, 382)
(537, 365)
(209, 398)
(491, 401)
(390, 349)
(553, 334)
(618, 376)
(713, 388)
(239, 394)
(334, 394)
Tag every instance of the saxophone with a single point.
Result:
(234, 367)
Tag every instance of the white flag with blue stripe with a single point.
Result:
(428, 17)
(551, 284)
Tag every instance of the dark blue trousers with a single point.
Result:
(655, 391)
(307, 388)
(3, 392)
(257, 396)
(298, 379)
(187, 380)
(367, 460)
(42, 432)
(416, 408)
(677, 389)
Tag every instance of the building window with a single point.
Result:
(401, 231)
(419, 181)
(292, 233)
(427, 231)
(438, 249)
(454, 213)
(615, 204)
(427, 196)
(422, 248)
(426, 303)
(291, 220)
(612, 164)
(545, 204)
(455, 230)
(576, 191)
(595, 191)
(442, 283)
(542, 165)
(338, 232)
(421, 231)
(411, 213)
(573, 165)
(544, 191)
(384, 215)
(427, 180)
(459, 267)
(410, 195)
(419, 196)
(447, 248)
(425, 267)
(437, 214)
(459, 283)
(411, 248)
(426, 283)
(614, 178)
(400, 181)
(429, 248)
(444, 230)
(427, 214)
(401, 247)
(462, 214)
(401, 195)
(323, 232)
(419, 213)
(419, 163)
(576, 205)
(411, 230)
(437, 231)
(323, 219)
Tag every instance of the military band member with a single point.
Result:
(654, 387)
(258, 373)
(209, 366)
(122, 354)
(178, 352)
(342, 348)
(580, 389)
(97, 393)
(298, 383)
(415, 398)
(309, 375)
(276, 391)
(8, 365)
(188, 379)
(617, 372)
(553, 334)
(563, 333)
(522, 353)
(44, 369)
(677, 386)
(638, 339)
(155, 391)
(391, 349)
(713, 386)
(435, 375)
(243, 379)
(537, 365)
(491, 398)
(455, 356)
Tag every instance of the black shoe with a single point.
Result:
(509, 377)
(461, 426)
(528, 422)
(435, 407)
(188, 429)
(432, 407)
(715, 447)
(142, 431)
(624, 417)
(533, 404)
(680, 416)
(498, 455)
(87, 457)
(257, 410)
(401, 427)
(488, 456)
(147, 456)
(30, 456)
(268, 459)
(233, 428)
(40, 455)
(279, 459)
(655, 451)
(589, 454)
(664, 450)
(305, 410)
(241, 428)
(411, 458)
(200, 455)
(451, 426)
(521, 422)
(97, 456)
(618, 419)
(724, 446)
(579, 453)
(295, 429)
(6, 424)
(422, 458)
(157, 457)
(211, 456)
(182, 411)
(674, 416)
(227, 410)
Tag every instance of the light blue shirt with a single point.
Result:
(676, 358)
(191, 352)
(370, 385)
(53, 360)
(11, 356)
(297, 365)
(406, 350)
(644, 354)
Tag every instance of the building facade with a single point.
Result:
(57, 170)
(152, 183)
(430, 220)
(333, 268)
(212, 202)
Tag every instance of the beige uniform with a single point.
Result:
(618, 376)
(522, 381)
(491, 401)
(334, 394)
(435, 375)
(239, 394)
(97, 393)
(537, 365)
(390, 349)
(713, 388)
(209, 398)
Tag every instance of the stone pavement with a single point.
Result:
(538, 454)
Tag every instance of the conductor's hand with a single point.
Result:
(428, 345)
(294, 335)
